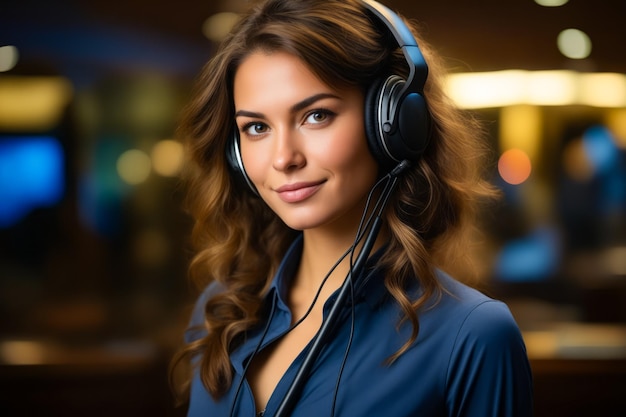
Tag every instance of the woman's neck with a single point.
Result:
(321, 251)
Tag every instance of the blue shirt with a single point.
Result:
(468, 360)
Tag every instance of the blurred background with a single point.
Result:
(93, 242)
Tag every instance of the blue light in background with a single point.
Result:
(608, 162)
(601, 149)
(101, 190)
(31, 176)
(531, 258)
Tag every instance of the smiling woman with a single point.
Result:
(307, 154)
(332, 183)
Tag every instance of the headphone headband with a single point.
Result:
(418, 69)
(397, 121)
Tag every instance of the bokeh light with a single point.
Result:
(22, 352)
(551, 3)
(529, 258)
(167, 158)
(600, 148)
(514, 166)
(603, 90)
(218, 25)
(133, 166)
(574, 44)
(575, 162)
(541, 88)
(520, 128)
(616, 122)
(33, 103)
(9, 56)
(31, 176)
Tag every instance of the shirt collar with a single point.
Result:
(286, 271)
(371, 290)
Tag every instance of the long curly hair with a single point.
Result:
(240, 242)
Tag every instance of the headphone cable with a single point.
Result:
(328, 325)
(349, 251)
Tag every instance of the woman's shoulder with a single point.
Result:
(458, 293)
(482, 348)
(473, 311)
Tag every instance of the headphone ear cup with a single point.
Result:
(382, 102)
(406, 139)
(235, 163)
(413, 131)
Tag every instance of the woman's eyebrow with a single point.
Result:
(250, 114)
(294, 109)
(310, 100)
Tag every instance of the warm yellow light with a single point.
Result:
(167, 158)
(511, 87)
(616, 122)
(32, 103)
(22, 352)
(541, 343)
(133, 166)
(603, 90)
(520, 128)
(216, 27)
(486, 89)
(550, 88)
(540, 88)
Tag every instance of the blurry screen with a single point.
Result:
(31, 175)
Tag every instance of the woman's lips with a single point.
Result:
(297, 192)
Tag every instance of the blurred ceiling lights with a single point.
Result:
(37, 103)
(541, 88)
(572, 43)
(551, 3)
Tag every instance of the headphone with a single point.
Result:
(396, 116)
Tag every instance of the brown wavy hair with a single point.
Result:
(240, 242)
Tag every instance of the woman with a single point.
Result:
(331, 183)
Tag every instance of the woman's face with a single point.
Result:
(302, 143)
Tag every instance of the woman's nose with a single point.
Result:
(287, 153)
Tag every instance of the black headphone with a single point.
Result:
(396, 116)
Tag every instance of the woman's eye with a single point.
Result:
(254, 129)
(318, 116)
